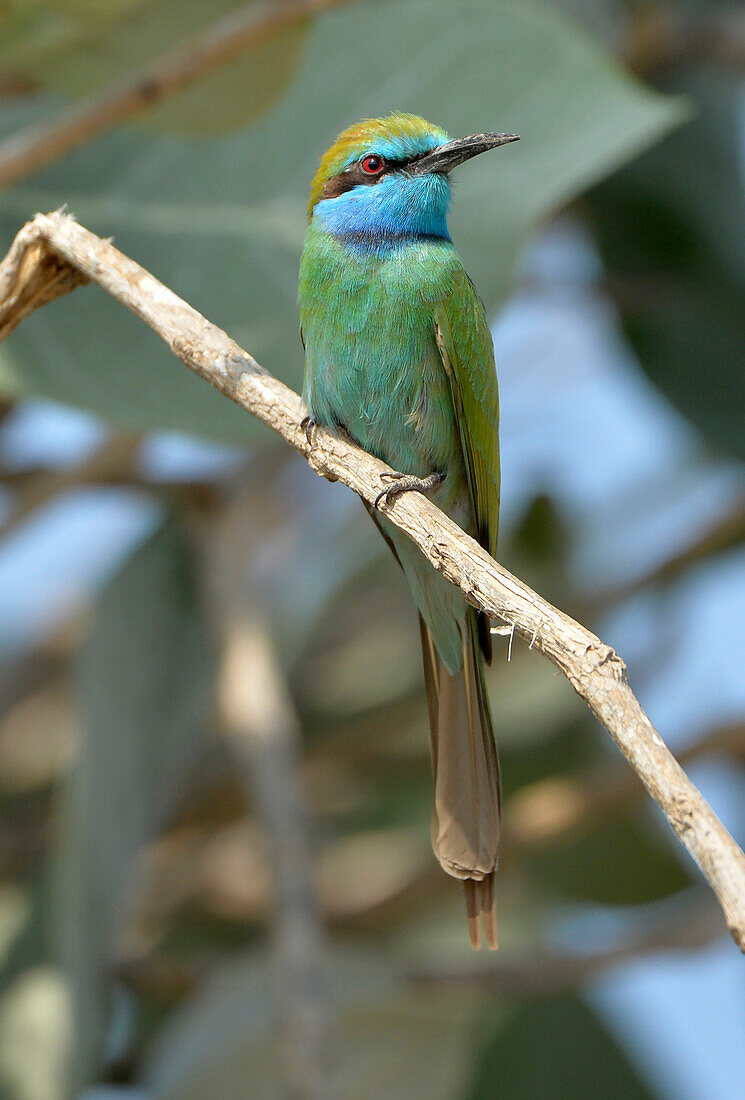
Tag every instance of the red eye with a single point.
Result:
(372, 164)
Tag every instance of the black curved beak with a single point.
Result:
(450, 155)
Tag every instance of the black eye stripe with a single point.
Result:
(355, 175)
(392, 165)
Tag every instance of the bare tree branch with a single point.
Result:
(41, 144)
(593, 669)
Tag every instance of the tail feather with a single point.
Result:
(467, 807)
(481, 906)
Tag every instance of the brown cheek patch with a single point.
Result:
(346, 180)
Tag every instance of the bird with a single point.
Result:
(399, 357)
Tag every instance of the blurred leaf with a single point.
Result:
(238, 93)
(30, 31)
(672, 233)
(146, 680)
(37, 37)
(412, 1044)
(383, 1039)
(15, 906)
(556, 1049)
(83, 47)
(565, 741)
(542, 534)
(624, 861)
(306, 570)
(539, 550)
(222, 221)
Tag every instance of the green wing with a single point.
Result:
(467, 352)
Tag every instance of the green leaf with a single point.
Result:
(672, 233)
(627, 860)
(556, 1049)
(146, 676)
(222, 221)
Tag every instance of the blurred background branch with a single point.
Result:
(687, 925)
(42, 144)
(110, 460)
(264, 734)
(263, 730)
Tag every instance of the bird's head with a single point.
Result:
(388, 177)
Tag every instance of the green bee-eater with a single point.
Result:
(399, 355)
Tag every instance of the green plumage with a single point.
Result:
(399, 354)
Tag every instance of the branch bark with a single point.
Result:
(47, 244)
(41, 144)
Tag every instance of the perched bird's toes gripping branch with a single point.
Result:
(52, 255)
(308, 425)
(407, 483)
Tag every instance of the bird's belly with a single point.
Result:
(391, 395)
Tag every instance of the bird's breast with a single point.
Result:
(372, 363)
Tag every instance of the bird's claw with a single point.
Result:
(308, 424)
(406, 483)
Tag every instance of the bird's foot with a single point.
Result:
(407, 483)
(308, 424)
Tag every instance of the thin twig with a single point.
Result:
(41, 144)
(594, 670)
